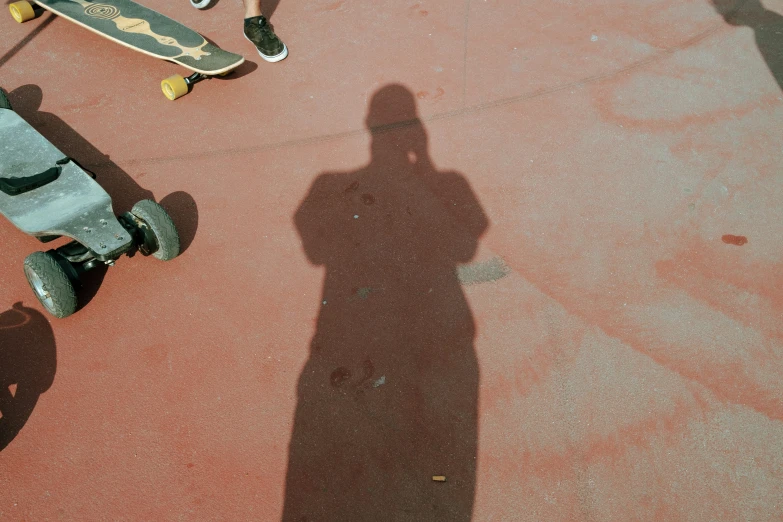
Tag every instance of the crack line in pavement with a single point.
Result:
(465, 54)
(661, 55)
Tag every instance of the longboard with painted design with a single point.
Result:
(144, 30)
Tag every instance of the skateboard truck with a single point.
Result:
(195, 78)
(176, 86)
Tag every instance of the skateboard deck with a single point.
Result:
(146, 31)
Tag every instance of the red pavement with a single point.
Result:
(560, 286)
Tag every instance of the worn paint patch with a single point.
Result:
(482, 271)
(734, 240)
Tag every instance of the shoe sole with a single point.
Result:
(200, 4)
(272, 59)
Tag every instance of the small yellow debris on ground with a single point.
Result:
(439, 478)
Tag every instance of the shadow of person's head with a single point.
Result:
(28, 362)
(398, 135)
(392, 105)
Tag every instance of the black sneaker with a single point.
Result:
(269, 46)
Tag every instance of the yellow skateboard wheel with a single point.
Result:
(22, 11)
(174, 87)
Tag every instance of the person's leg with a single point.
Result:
(258, 31)
(252, 8)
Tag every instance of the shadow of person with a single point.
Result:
(388, 396)
(767, 28)
(28, 361)
(123, 189)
